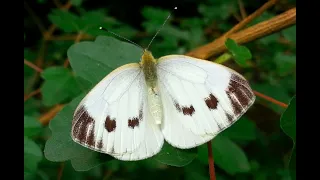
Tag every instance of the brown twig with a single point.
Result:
(242, 9)
(33, 93)
(78, 38)
(270, 99)
(248, 19)
(33, 66)
(211, 161)
(70, 37)
(35, 18)
(45, 118)
(60, 171)
(46, 35)
(262, 29)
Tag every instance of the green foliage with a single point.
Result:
(31, 126)
(288, 125)
(32, 156)
(175, 157)
(243, 151)
(241, 53)
(89, 60)
(227, 155)
(59, 85)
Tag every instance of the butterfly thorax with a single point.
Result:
(148, 64)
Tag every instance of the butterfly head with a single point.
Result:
(147, 58)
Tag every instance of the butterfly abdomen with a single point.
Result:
(155, 104)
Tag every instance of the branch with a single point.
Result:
(46, 35)
(35, 18)
(33, 66)
(70, 37)
(252, 16)
(262, 29)
(270, 99)
(33, 93)
(44, 119)
(242, 9)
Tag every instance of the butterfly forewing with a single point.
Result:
(201, 101)
(110, 119)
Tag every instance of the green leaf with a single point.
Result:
(243, 129)
(288, 120)
(89, 161)
(59, 85)
(227, 155)
(94, 60)
(61, 147)
(32, 126)
(285, 63)
(290, 33)
(288, 125)
(292, 164)
(217, 11)
(240, 53)
(175, 157)
(76, 2)
(32, 156)
(196, 170)
(91, 20)
(65, 20)
(156, 15)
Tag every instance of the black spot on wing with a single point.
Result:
(186, 110)
(110, 124)
(211, 101)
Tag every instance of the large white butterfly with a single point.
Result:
(180, 99)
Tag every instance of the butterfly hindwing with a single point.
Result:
(152, 143)
(200, 98)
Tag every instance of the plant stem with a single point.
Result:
(270, 99)
(211, 162)
(33, 66)
(223, 58)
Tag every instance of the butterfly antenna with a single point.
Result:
(102, 28)
(160, 28)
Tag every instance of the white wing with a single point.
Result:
(111, 118)
(200, 99)
(151, 145)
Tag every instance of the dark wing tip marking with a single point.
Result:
(100, 144)
(110, 124)
(81, 124)
(243, 96)
(211, 102)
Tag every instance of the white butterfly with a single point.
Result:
(180, 99)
